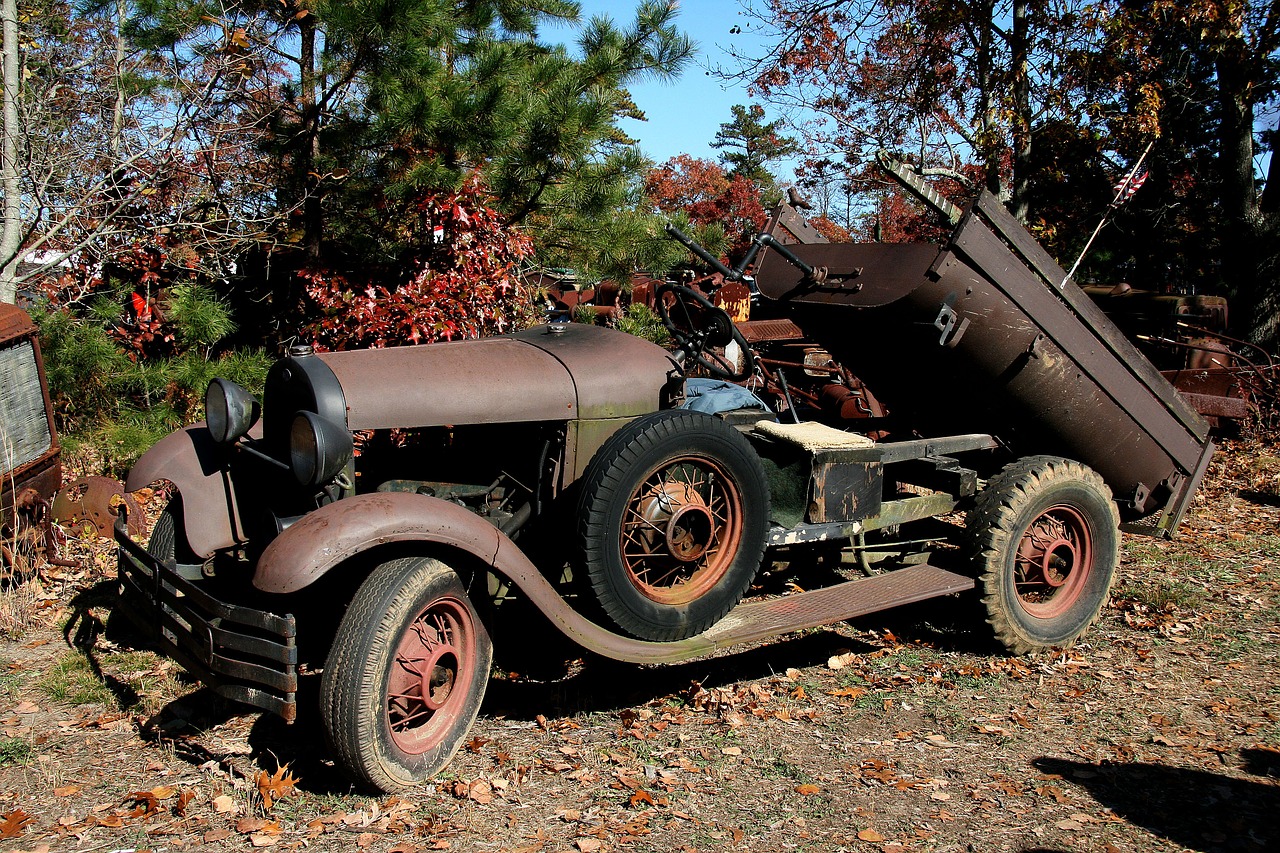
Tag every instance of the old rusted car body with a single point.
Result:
(30, 456)
(385, 490)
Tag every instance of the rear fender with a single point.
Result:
(196, 465)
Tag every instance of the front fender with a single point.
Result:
(309, 548)
(196, 465)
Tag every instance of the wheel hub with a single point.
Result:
(680, 531)
(430, 661)
(690, 532)
(1053, 561)
(438, 677)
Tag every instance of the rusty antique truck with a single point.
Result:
(352, 531)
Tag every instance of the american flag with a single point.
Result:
(1130, 185)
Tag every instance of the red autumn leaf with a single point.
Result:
(144, 803)
(640, 798)
(274, 786)
(14, 822)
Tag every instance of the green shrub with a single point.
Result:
(122, 403)
(641, 321)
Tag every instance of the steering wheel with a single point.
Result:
(696, 339)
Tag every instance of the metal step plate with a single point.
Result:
(757, 620)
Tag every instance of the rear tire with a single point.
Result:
(672, 523)
(1045, 537)
(405, 676)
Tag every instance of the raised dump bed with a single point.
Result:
(986, 334)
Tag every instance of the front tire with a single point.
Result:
(406, 675)
(673, 521)
(168, 542)
(1045, 538)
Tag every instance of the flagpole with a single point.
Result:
(1121, 191)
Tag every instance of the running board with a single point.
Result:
(758, 620)
(746, 623)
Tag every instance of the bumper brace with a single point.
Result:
(239, 652)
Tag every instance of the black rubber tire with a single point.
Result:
(367, 727)
(168, 542)
(640, 468)
(1044, 535)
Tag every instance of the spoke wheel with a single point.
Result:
(1045, 537)
(405, 676)
(1052, 562)
(681, 530)
(672, 523)
(433, 661)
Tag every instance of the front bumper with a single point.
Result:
(239, 652)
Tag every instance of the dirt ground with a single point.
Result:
(903, 731)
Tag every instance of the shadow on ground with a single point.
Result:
(1194, 809)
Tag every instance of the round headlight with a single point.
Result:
(230, 411)
(318, 448)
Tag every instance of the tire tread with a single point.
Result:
(991, 528)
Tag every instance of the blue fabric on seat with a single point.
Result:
(715, 395)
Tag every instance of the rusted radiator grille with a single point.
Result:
(24, 426)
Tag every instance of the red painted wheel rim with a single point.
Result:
(1053, 562)
(680, 530)
(431, 672)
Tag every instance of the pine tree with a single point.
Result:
(751, 145)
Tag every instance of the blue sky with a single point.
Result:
(683, 117)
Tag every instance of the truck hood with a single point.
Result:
(535, 375)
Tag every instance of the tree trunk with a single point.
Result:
(987, 97)
(312, 213)
(1020, 46)
(10, 174)
(117, 112)
(1269, 204)
(1242, 250)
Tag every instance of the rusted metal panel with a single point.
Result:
(506, 381)
(857, 275)
(585, 438)
(94, 503)
(195, 464)
(1214, 406)
(1090, 314)
(308, 549)
(844, 491)
(529, 376)
(760, 620)
(1087, 397)
(39, 467)
(790, 227)
(734, 298)
(617, 375)
(914, 508)
(14, 322)
(758, 331)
